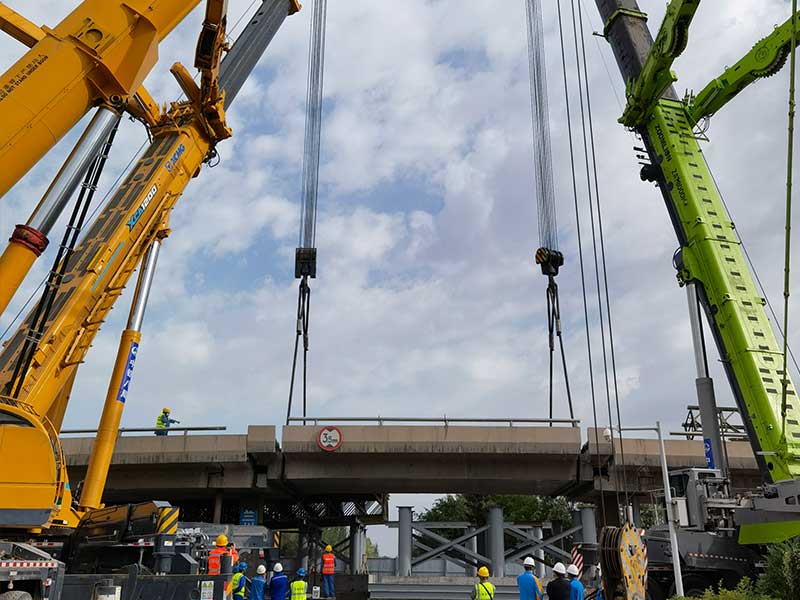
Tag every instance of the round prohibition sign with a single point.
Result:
(329, 438)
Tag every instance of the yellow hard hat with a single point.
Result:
(165, 409)
(483, 572)
(328, 548)
(222, 540)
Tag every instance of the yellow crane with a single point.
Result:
(39, 363)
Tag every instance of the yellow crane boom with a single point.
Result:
(34, 488)
(100, 53)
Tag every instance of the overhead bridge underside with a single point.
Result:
(383, 459)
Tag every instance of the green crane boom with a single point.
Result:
(710, 254)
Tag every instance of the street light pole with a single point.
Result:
(673, 535)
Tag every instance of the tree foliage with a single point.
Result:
(516, 508)
(746, 590)
(782, 576)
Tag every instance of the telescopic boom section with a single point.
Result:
(100, 53)
(710, 253)
(100, 267)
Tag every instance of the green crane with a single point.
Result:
(710, 254)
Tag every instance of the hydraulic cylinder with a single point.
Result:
(108, 429)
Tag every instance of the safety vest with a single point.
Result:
(328, 563)
(214, 565)
(238, 586)
(484, 591)
(298, 589)
(160, 422)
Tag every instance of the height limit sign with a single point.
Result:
(329, 438)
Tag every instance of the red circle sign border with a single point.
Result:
(331, 448)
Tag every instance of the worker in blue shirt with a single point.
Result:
(258, 585)
(279, 584)
(530, 588)
(575, 585)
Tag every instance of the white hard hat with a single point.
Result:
(278, 567)
(261, 569)
(573, 570)
(529, 562)
(559, 568)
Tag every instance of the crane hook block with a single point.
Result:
(549, 260)
(305, 263)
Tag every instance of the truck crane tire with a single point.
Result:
(655, 591)
(693, 586)
(16, 595)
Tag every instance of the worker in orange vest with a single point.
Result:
(328, 568)
(220, 549)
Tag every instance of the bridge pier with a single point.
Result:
(404, 541)
(496, 544)
(358, 548)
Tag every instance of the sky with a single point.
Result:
(427, 300)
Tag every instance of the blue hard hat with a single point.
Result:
(241, 566)
(301, 572)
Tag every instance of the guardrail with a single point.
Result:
(444, 420)
(122, 430)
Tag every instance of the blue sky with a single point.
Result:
(427, 300)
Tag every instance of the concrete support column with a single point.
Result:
(636, 501)
(538, 554)
(472, 545)
(404, 541)
(589, 525)
(496, 542)
(358, 548)
(218, 508)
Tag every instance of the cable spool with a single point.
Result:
(623, 561)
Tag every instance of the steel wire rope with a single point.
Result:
(580, 253)
(581, 83)
(545, 189)
(604, 269)
(100, 205)
(788, 225)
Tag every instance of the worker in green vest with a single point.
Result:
(484, 590)
(163, 422)
(298, 588)
(238, 585)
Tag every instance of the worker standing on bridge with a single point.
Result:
(559, 588)
(278, 584)
(163, 422)
(299, 587)
(530, 588)
(576, 587)
(484, 590)
(328, 569)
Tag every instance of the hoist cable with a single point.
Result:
(41, 314)
(604, 270)
(788, 236)
(540, 118)
(303, 314)
(313, 125)
(580, 254)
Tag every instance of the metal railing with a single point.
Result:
(121, 430)
(442, 420)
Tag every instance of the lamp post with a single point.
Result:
(673, 535)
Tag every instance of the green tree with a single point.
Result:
(746, 590)
(782, 575)
(517, 508)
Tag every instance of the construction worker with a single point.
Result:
(576, 587)
(530, 588)
(484, 590)
(233, 552)
(299, 588)
(278, 584)
(559, 588)
(238, 585)
(214, 557)
(258, 585)
(328, 569)
(163, 422)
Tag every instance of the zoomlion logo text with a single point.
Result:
(663, 139)
(140, 211)
(122, 394)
